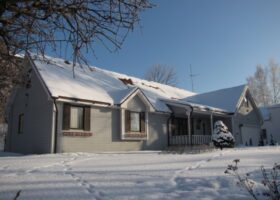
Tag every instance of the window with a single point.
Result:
(76, 117)
(246, 103)
(204, 129)
(198, 124)
(20, 123)
(134, 121)
(179, 126)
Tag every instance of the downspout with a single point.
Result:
(55, 121)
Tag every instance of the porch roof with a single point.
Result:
(195, 106)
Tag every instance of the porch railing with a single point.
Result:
(186, 140)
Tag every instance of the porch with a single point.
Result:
(189, 126)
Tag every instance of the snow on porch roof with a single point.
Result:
(95, 84)
(225, 99)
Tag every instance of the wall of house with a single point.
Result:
(247, 124)
(37, 109)
(106, 130)
(272, 125)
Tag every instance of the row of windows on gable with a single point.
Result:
(76, 117)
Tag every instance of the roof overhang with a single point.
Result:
(82, 101)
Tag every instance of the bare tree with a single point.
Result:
(10, 75)
(274, 80)
(258, 85)
(72, 24)
(162, 74)
(64, 26)
(265, 84)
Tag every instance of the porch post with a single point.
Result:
(211, 121)
(189, 126)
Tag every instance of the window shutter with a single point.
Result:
(87, 118)
(142, 122)
(66, 116)
(127, 121)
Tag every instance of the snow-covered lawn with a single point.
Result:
(135, 175)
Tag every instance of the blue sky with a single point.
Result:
(223, 40)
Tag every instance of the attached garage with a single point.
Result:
(250, 135)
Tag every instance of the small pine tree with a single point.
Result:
(222, 137)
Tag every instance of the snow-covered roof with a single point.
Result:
(225, 99)
(95, 84)
(265, 113)
(274, 106)
(92, 83)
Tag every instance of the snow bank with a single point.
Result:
(130, 176)
(3, 131)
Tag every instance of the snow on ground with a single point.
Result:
(135, 175)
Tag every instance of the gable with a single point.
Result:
(247, 110)
(136, 104)
(137, 101)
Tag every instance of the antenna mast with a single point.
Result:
(191, 76)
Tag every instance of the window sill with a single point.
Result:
(135, 136)
(81, 133)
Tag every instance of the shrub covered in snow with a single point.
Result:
(222, 137)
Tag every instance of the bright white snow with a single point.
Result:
(92, 83)
(135, 175)
(226, 99)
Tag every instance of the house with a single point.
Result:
(91, 109)
(271, 125)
